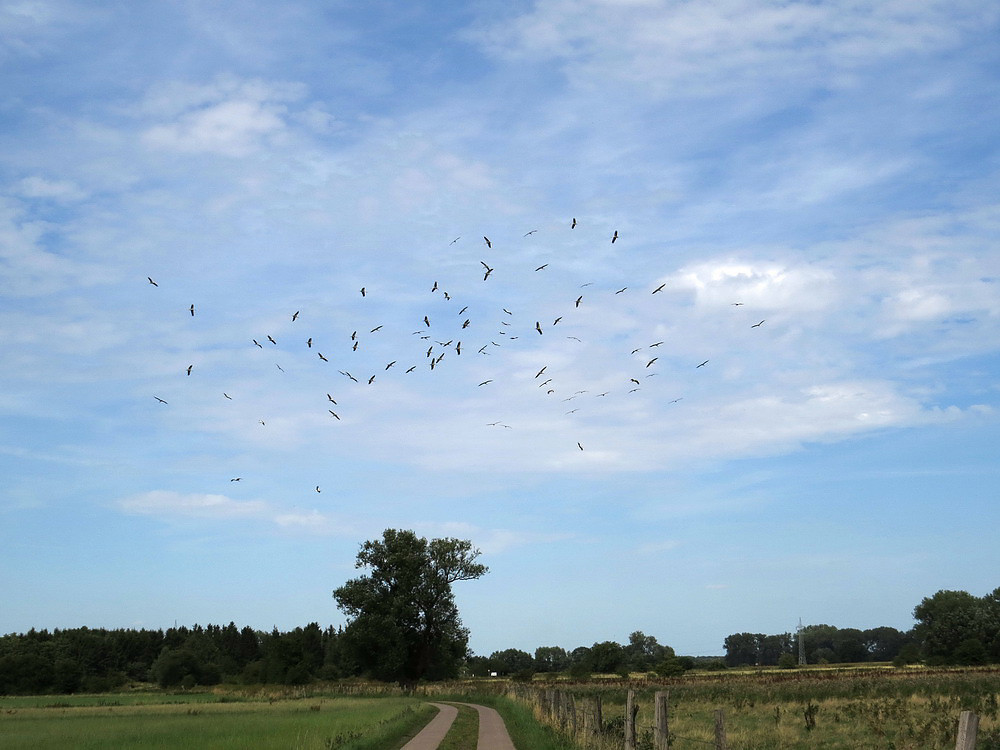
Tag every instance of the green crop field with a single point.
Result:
(209, 720)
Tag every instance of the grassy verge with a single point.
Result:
(525, 732)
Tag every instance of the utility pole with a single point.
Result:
(802, 643)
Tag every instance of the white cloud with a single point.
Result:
(694, 48)
(230, 117)
(165, 503)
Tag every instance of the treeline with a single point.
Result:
(642, 653)
(97, 660)
(953, 627)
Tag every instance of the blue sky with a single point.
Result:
(827, 170)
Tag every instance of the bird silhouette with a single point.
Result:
(544, 265)
(272, 340)
(227, 396)
(659, 288)
(757, 325)
(192, 310)
(363, 292)
(309, 342)
(257, 343)
(189, 369)
(573, 225)
(702, 364)
(322, 357)
(295, 316)
(614, 237)
(151, 281)
(330, 399)
(538, 327)
(159, 399)
(333, 413)
(579, 300)
(488, 243)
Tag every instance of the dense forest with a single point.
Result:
(953, 627)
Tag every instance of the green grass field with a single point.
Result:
(209, 721)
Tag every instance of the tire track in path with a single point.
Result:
(493, 733)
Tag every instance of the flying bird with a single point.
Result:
(435, 287)
(151, 281)
(363, 293)
(189, 369)
(634, 381)
(658, 343)
(455, 240)
(295, 316)
(309, 342)
(411, 369)
(538, 327)
(737, 304)
(486, 382)
(463, 309)
(488, 243)
(621, 290)
(544, 265)
(371, 380)
(557, 320)
(347, 374)
(466, 323)
(330, 399)
(159, 399)
(651, 361)
(427, 321)
(488, 271)
(757, 325)
(355, 347)
(636, 350)
(614, 237)
(579, 446)
(317, 488)
(530, 233)
(579, 300)
(192, 310)
(702, 364)
(376, 328)
(236, 479)
(227, 396)
(257, 343)
(573, 225)
(279, 367)
(388, 365)
(659, 288)
(540, 372)
(322, 357)
(272, 340)
(332, 412)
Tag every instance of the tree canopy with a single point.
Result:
(404, 624)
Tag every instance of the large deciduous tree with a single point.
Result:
(403, 621)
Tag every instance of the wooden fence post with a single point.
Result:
(598, 716)
(661, 710)
(720, 730)
(631, 709)
(968, 730)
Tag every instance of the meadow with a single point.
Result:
(828, 709)
(842, 709)
(211, 720)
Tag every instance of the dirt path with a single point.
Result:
(492, 731)
(431, 735)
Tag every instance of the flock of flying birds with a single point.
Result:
(456, 336)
